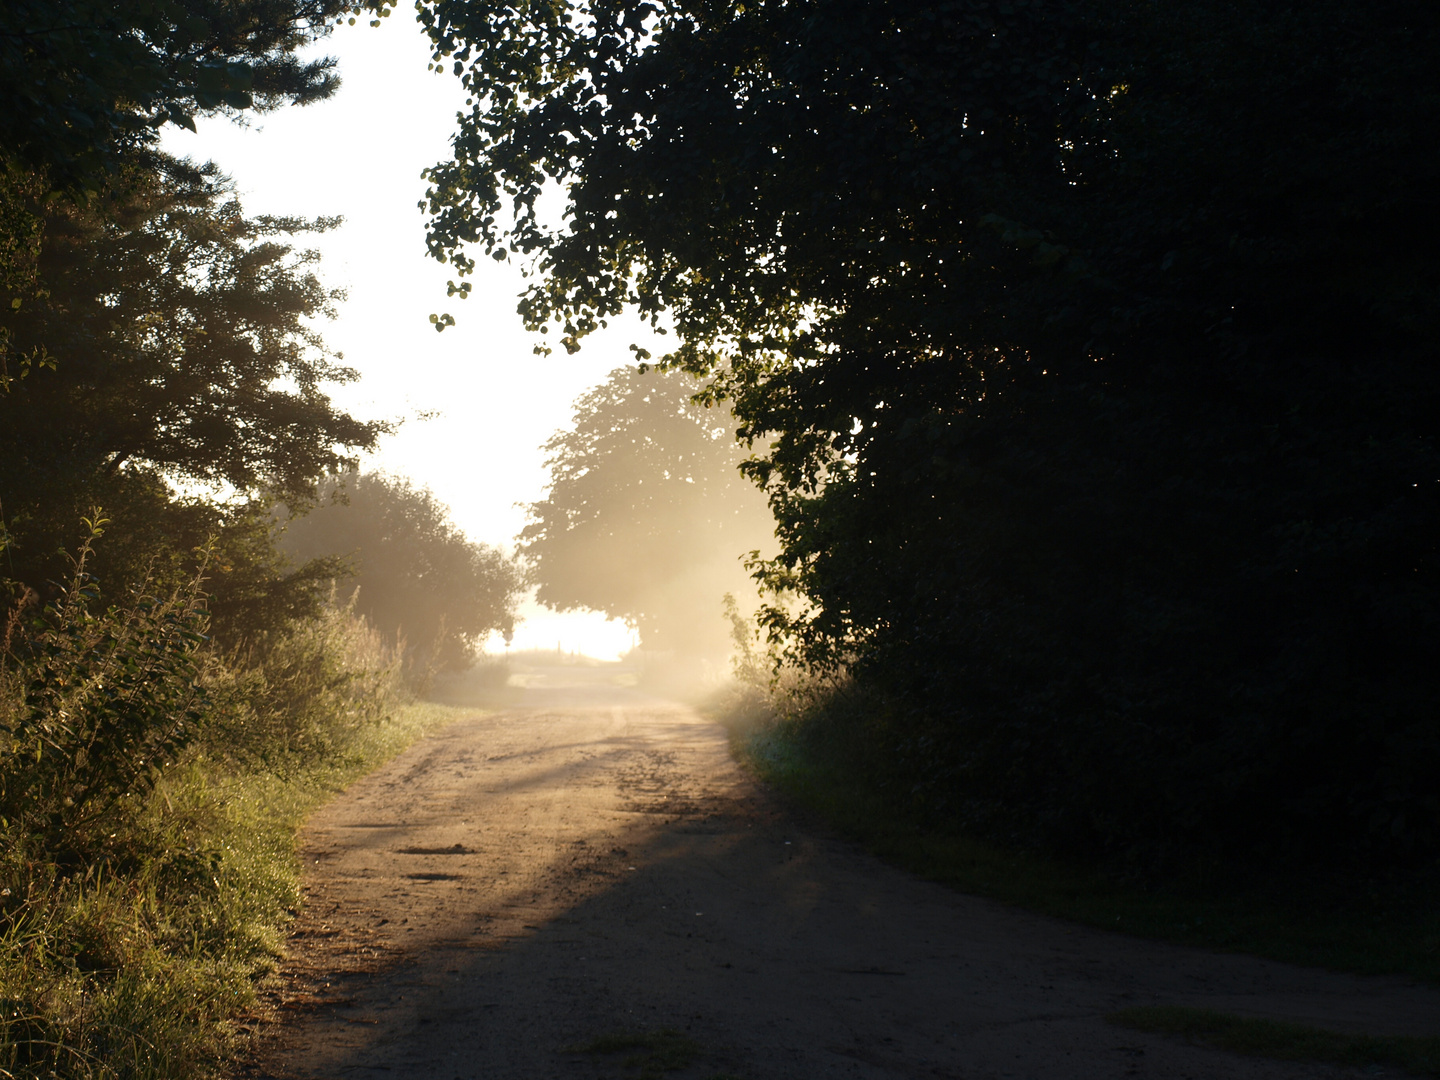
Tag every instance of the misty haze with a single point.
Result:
(754, 541)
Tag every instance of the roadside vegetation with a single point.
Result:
(1084, 355)
(176, 689)
(814, 743)
(818, 743)
(1416, 1055)
(150, 789)
(822, 759)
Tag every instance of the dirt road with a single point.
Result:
(591, 862)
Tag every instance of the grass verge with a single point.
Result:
(1363, 927)
(139, 967)
(1289, 1042)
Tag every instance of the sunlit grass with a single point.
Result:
(139, 969)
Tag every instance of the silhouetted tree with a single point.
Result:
(85, 82)
(416, 577)
(86, 86)
(179, 350)
(647, 517)
(1097, 347)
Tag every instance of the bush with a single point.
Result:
(304, 694)
(150, 788)
(96, 706)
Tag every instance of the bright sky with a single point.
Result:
(359, 155)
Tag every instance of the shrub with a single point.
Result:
(95, 706)
(149, 789)
(303, 693)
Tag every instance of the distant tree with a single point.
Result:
(415, 576)
(175, 345)
(647, 517)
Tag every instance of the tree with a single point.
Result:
(85, 88)
(416, 577)
(171, 313)
(178, 350)
(85, 83)
(1095, 351)
(647, 517)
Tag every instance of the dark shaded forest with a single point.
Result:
(1088, 356)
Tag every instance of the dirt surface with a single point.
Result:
(590, 862)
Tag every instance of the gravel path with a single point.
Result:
(591, 862)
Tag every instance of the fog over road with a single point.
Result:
(591, 861)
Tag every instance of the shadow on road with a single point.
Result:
(590, 862)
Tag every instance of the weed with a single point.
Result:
(151, 793)
(97, 706)
(1289, 1042)
(650, 1053)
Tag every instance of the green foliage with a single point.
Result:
(180, 332)
(141, 972)
(418, 580)
(96, 706)
(1093, 345)
(83, 81)
(153, 338)
(86, 86)
(304, 692)
(1417, 1055)
(257, 593)
(147, 865)
(647, 516)
(178, 348)
(22, 197)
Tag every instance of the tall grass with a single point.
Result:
(140, 901)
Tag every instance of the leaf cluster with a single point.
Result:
(179, 336)
(180, 350)
(86, 83)
(1091, 349)
(97, 704)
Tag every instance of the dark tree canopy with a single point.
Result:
(150, 334)
(177, 348)
(178, 336)
(414, 575)
(86, 86)
(85, 81)
(1096, 347)
(647, 517)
